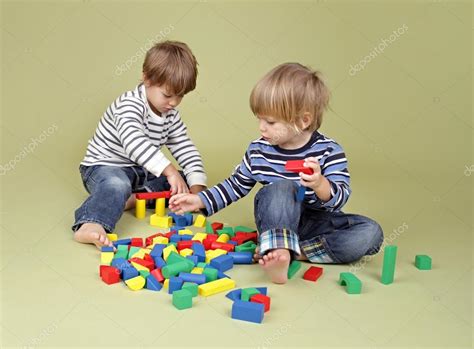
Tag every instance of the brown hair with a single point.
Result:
(289, 91)
(171, 63)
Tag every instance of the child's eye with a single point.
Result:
(167, 96)
(271, 122)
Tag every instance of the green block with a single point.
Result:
(388, 268)
(174, 269)
(352, 283)
(191, 287)
(144, 273)
(248, 246)
(122, 252)
(201, 265)
(133, 250)
(226, 230)
(247, 293)
(293, 268)
(211, 274)
(174, 257)
(423, 262)
(209, 229)
(244, 229)
(182, 299)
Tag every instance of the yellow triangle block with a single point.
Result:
(186, 252)
(139, 266)
(200, 221)
(199, 237)
(223, 238)
(136, 283)
(167, 250)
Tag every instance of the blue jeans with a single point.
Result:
(109, 188)
(324, 237)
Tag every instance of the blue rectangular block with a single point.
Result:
(223, 262)
(159, 262)
(129, 273)
(107, 249)
(175, 238)
(122, 242)
(152, 283)
(193, 259)
(157, 250)
(186, 237)
(175, 284)
(196, 278)
(248, 311)
(241, 257)
(199, 251)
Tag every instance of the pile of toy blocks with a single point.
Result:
(249, 304)
(183, 262)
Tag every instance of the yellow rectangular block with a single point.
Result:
(139, 266)
(185, 232)
(112, 237)
(199, 237)
(186, 252)
(200, 221)
(140, 208)
(160, 209)
(223, 238)
(197, 270)
(160, 240)
(167, 250)
(216, 286)
(106, 258)
(161, 221)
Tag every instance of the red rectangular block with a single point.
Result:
(109, 275)
(137, 242)
(243, 237)
(157, 274)
(297, 167)
(153, 195)
(147, 264)
(185, 244)
(313, 273)
(222, 245)
(261, 298)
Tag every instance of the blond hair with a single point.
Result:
(171, 63)
(288, 92)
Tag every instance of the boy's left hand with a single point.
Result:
(314, 180)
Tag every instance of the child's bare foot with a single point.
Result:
(257, 256)
(92, 233)
(275, 264)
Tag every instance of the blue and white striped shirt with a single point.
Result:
(265, 163)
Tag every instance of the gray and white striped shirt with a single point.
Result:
(130, 133)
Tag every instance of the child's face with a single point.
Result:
(161, 99)
(279, 133)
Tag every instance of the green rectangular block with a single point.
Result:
(247, 293)
(388, 268)
(226, 230)
(423, 262)
(191, 287)
(244, 229)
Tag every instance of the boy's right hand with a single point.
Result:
(176, 182)
(181, 203)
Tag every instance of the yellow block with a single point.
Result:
(135, 283)
(140, 208)
(160, 240)
(216, 286)
(199, 237)
(112, 237)
(139, 266)
(161, 222)
(160, 207)
(106, 258)
(197, 270)
(186, 252)
(167, 250)
(185, 232)
(166, 284)
(223, 238)
(200, 221)
(139, 254)
(211, 254)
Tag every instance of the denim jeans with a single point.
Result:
(109, 188)
(324, 237)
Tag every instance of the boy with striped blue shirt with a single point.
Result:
(124, 155)
(289, 103)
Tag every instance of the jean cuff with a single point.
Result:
(316, 252)
(279, 238)
(78, 224)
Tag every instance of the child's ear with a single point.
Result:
(145, 80)
(306, 120)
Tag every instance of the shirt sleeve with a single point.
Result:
(128, 120)
(239, 184)
(185, 152)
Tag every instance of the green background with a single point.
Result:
(405, 122)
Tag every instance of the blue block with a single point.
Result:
(221, 275)
(157, 250)
(177, 228)
(129, 273)
(173, 215)
(262, 290)
(107, 249)
(152, 283)
(159, 262)
(199, 251)
(232, 242)
(193, 259)
(301, 193)
(189, 218)
(175, 284)
(122, 242)
(223, 262)
(186, 237)
(196, 278)
(181, 221)
(248, 311)
(235, 294)
(175, 238)
(120, 264)
(241, 257)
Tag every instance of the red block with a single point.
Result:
(171, 232)
(149, 239)
(147, 257)
(153, 195)
(157, 274)
(210, 238)
(137, 242)
(222, 245)
(313, 273)
(147, 264)
(261, 298)
(297, 167)
(217, 226)
(243, 237)
(109, 275)
(185, 244)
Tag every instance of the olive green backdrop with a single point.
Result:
(400, 73)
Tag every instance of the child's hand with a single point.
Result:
(176, 182)
(181, 203)
(314, 180)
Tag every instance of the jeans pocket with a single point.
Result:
(86, 172)
(341, 221)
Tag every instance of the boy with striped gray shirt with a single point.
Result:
(124, 155)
